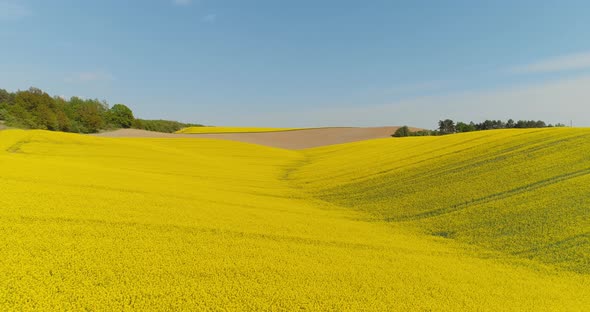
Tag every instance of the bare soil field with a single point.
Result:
(295, 139)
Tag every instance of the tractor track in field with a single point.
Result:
(493, 197)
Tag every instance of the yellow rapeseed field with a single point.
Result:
(203, 130)
(520, 192)
(487, 221)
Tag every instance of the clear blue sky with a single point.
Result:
(306, 63)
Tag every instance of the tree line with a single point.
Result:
(448, 126)
(35, 109)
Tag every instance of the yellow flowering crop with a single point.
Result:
(101, 224)
(519, 192)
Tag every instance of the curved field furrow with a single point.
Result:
(494, 197)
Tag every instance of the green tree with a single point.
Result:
(63, 120)
(463, 127)
(168, 126)
(510, 124)
(446, 126)
(121, 116)
(35, 109)
(19, 117)
(90, 117)
(5, 96)
(40, 108)
(540, 124)
(402, 132)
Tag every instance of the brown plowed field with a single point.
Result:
(294, 139)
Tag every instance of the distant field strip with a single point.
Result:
(204, 130)
(486, 221)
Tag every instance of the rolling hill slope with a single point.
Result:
(200, 224)
(520, 192)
